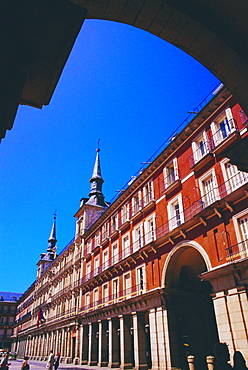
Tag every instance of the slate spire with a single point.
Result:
(52, 239)
(96, 181)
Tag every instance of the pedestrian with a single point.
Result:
(239, 361)
(50, 361)
(4, 362)
(56, 363)
(25, 365)
(222, 357)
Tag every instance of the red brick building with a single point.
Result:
(160, 273)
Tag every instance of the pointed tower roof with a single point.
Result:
(52, 239)
(97, 168)
(96, 181)
(47, 258)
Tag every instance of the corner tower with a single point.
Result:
(91, 208)
(47, 258)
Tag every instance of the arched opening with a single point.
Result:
(191, 318)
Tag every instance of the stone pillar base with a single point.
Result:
(113, 365)
(92, 363)
(126, 366)
(84, 362)
(68, 360)
(76, 361)
(102, 364)
(141, 367)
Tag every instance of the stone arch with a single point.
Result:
(179, 251)
(213, 32)
(191, 318)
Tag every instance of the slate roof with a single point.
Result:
(9, 296)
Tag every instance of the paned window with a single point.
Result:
(175, 212)
(125, 213)
(150, 229)
(209, 189)
(222, 127)
(140, 276)
(127, 285)
(148, 192)
(137, 238)
(200, 147)
(115, 253)
(233, 177)
(126, 245)
(171, 173)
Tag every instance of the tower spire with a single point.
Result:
(96, 181)
(52, 239)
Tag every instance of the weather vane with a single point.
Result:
(98, 146)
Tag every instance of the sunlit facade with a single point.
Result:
(161, 272)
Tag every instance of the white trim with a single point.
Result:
(179, 248)
(187, 177)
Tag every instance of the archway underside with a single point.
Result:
(41, 35)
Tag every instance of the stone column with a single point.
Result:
(76, 359)
(68, 346)
(85, 345)
(63, 344)
(126, 348)
(93, 344)
(139, 341)
(154, 339)
(114, 343)
(103, 343)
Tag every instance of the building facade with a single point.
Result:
(161, 272)
(8, 305)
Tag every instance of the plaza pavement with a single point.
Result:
(41, 365)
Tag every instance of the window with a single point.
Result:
(96, 265)
(222, 127)
(126, 246)
(171, 173)
(125, 213)
(241, 227)
(96, 296)
(89, 246)
(114, 223)
(148, 192)
(88, 270)
(233, 177)
(105, 293)
(127, 285)
(136, 204)
(150, 229)
(175, 212)
(105, 231)
(105, 260)
(209, 189)
(97, 239)
(87, 300)
(137, 238)
(115, 287)
(200, 147)
(140, 278)
(115, 253)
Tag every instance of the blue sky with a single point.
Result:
(121, 85)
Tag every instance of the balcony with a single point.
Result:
(117, 297)
(201, 156)
(237, 251)
(142, 205)
(171, 182)
(225, 136)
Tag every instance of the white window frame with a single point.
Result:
(105, 259)
(138, 237)
(115, 253)
(115, 289)
(211, 196)
(127, 289)
(200, 151)
(96, 295)
(136, 203)
(97, 238)
(173, 220)
(219, 134)
(96, 265)
(171, 173)
(88, 268)
(234, 182)
(243, 247)
(114, 223)
(141, 284)
(148, 192)
(150, 233)
(125, 213)
(105, 293)
(87, 300)
(126, 247)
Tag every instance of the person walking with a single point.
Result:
(56, 363)
(25, 365)
(50, 361)
(4, 363)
